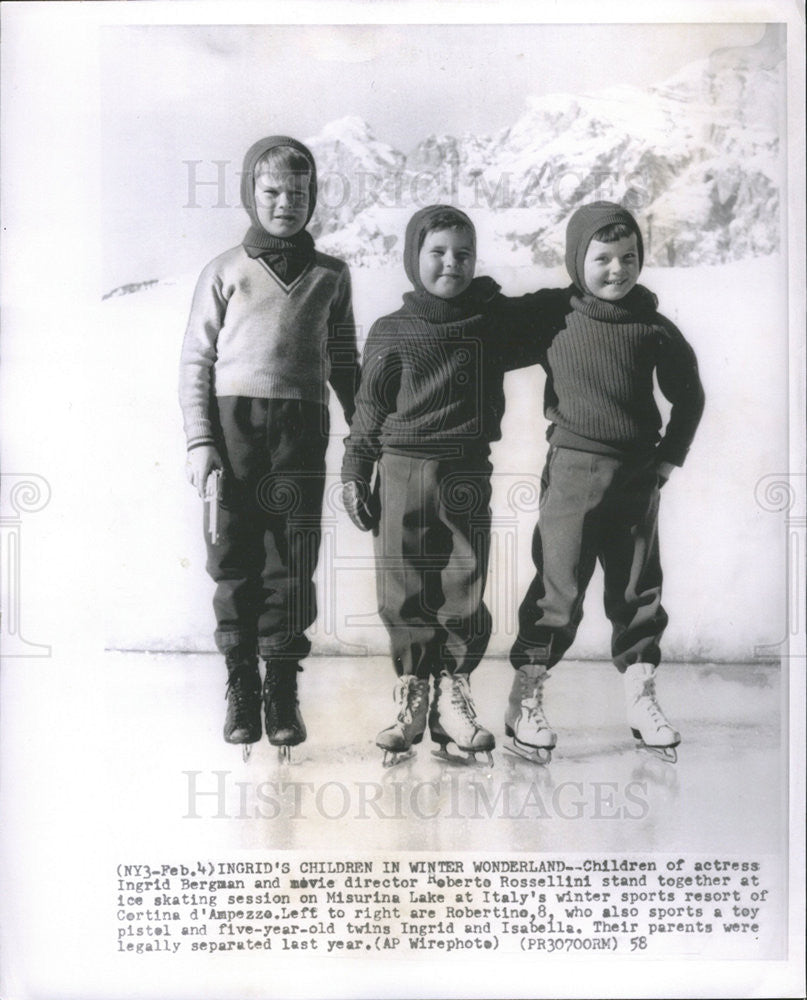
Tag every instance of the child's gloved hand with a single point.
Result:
(359, 504)
(200, 463)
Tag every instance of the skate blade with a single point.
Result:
(246, 748)
(284, 753)
(394, 757)
(464, 758)
(535, 755)
(667, 754)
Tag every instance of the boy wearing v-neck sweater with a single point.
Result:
(607, 460)
(270, 327)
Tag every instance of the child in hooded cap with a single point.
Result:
(607, 460)
(429, 404)
(271, 325)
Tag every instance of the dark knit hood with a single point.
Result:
(254, 154)
(415, 231)
(584, 223)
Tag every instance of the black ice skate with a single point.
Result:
(452, 719)
(284, 724)
(397, 741)
(524, 722)
(650, 728)
(242, 724)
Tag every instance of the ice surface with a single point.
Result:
(135, 755)
(123, 762)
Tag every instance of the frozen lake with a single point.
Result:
(136, 750)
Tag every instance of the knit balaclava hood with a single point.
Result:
(253, 156)
(476, 298)
(416, 230)
(584, 223)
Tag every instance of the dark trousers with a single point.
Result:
(594, 507)
(432, 549)
(270, 523)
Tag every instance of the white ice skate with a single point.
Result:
(452, 719)
(650, 728)
(412, 696)
(524, 721)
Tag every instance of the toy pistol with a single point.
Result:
(213, 498)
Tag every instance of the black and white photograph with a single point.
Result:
(403, 500)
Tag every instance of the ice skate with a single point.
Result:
(650, 728)
(524, 720)
(452, 719)
(412, 696)
(284, 724)
(242, 724)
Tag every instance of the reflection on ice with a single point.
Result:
(598, 793)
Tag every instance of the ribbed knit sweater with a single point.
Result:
(432, 377)
(599, 388)
(251, 334)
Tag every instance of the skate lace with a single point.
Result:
(532, 699)
(653, 707)
(461, 699)
(533, 708)
(239, 687)
(409, 697)
(282, 690)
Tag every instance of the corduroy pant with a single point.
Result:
(432, 547)
(270, 523)
(594, 507)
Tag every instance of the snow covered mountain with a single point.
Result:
(355, 169)
(697, 158)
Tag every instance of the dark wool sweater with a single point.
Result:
(432, 376)
(599, 387)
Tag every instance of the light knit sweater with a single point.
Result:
(249, 334)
